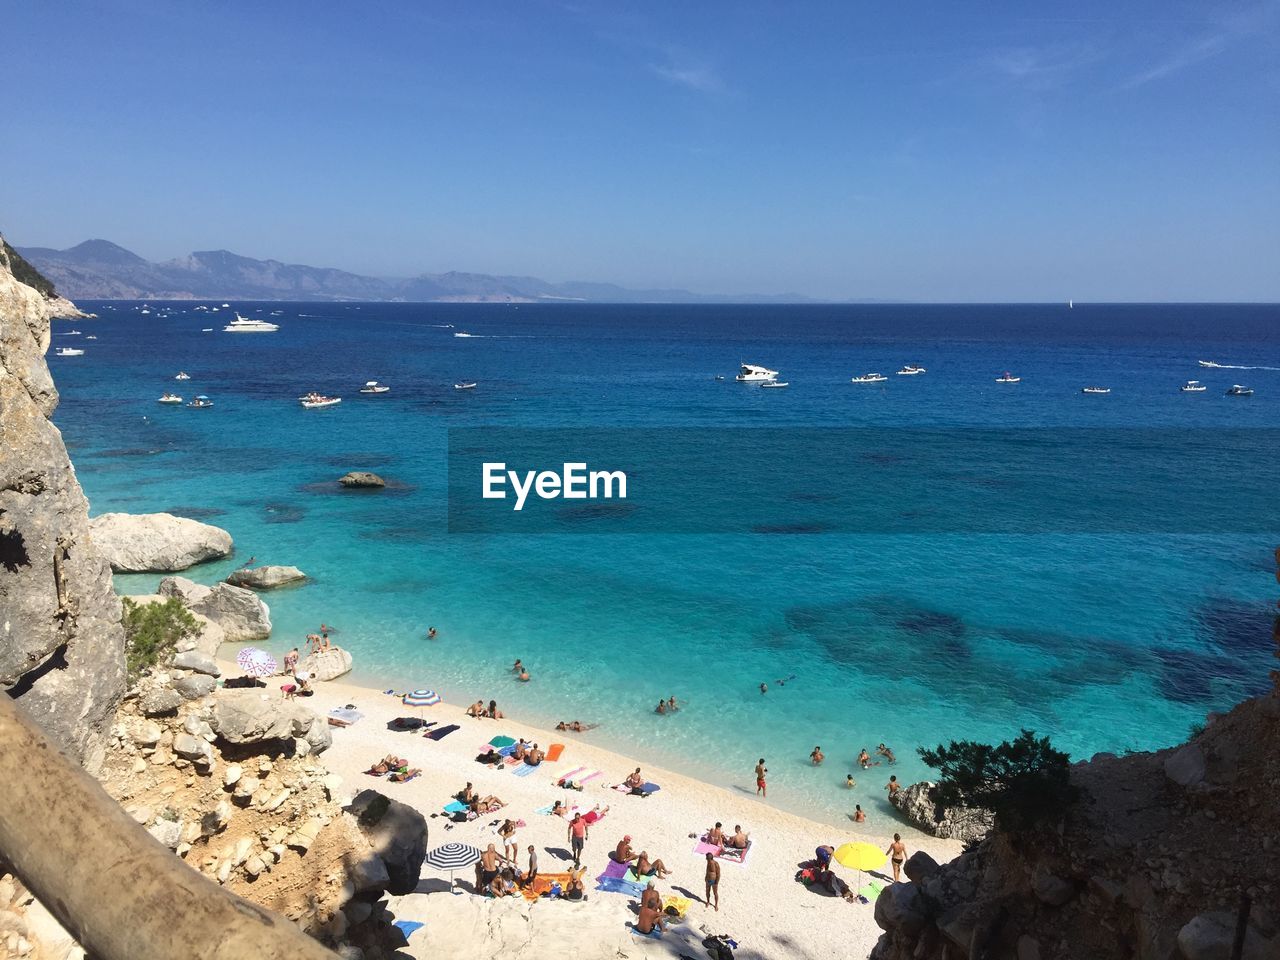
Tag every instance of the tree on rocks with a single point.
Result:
(153, 630)
(1025, 783)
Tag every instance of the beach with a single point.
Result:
(763, 908)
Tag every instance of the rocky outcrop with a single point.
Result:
(265, 578)
(252, 716)
(206, 640)
(61, 643)
(397, 832)
(362, 478)
(957, 823)
(240, 614)
(1123, 877)
(157, 542)
(327, 665)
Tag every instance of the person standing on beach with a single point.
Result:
(533, 866)
(713, 880)
(291, 660)
(761, 770)
(579, 830)
(897, 852)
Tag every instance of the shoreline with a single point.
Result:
(762, 907)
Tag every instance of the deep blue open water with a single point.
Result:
(1105, 641)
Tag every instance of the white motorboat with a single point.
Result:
(1210, 363)
(226, 304)
(1193, 386)
(70, 352)
(373, 386)
(1096, 390)
(206, 329)
(1239, 391)
(869, 378)
(461, 334)
(91, 337)
(245, 325)
(1008, 377)
(775, 385)
(751, 373)
(314, 401)
(201, 402)
(170, 398)
(911, 370)
(68, 333)
(182, 375)
(465, 385)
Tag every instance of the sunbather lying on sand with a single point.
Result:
(387, 764)
(646, 868)
(594, 814)
(489, 804)
(404, 776)
(558, 809)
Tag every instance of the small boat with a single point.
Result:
(911, 370)
(182, 375)
(1096, 390)
(206, 329)
(91, 337)
(68, 333)
(70, 352)
(869, 378)
(245, 325)
(719, 376)
(1008, 377)
(1239, 391)
(1193, 386)
(314, 401)
(226, 304)
(465, 385)
(373, 386)
(170, 398)
(461, 334)
(1210, 363)
(750, 373)
(774, 385)
(201, 402)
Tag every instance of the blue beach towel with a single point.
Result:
(457, 806)
(618, 885)
(407, 927)
(524, 769)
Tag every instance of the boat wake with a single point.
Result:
(1233, 366)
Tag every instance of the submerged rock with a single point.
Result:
(362, 478)
(156, 542)
(265, 578)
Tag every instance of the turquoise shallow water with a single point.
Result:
(1104, 641)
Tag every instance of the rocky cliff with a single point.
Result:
(61, 644)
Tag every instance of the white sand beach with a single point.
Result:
(763, 908)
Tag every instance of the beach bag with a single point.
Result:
(718, 948)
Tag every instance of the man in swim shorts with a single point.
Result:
(713, 881)
(761, 770)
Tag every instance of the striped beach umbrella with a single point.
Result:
(451, 857)
(256, 662)
(421, 698)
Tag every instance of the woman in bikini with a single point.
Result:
(897, 852)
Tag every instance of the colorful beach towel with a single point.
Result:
(871, 891)
(736, 855)
(702, 848)
(589, 778)
(675, 906)
(619, 885)
(501, 741)
(543, 883)
(525, 769)
(570, 775)
(615, 869)
(554, 751)
(646, 789)
(442, 732)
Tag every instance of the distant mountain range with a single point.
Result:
(101, 270)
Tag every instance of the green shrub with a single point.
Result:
(152, 630)
(1025, 783)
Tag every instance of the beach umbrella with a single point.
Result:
(421, 698)
(860, 856)
(451, 857)
(256, 662)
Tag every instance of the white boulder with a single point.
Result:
(156, 542)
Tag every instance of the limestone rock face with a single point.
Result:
(252, 716)
(197, 662)
(328, 665)
(362, 478)
(398, 834)
(240, 614)
(921, 812)
(157, 542)
(61, 643)
(266, 578)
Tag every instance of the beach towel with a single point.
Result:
(702, 848)
(619, 885)
(343, 718)
(501, 741)
(654, 934)
(870, 891)
(588, 779)
(646, 789)
(554, 751)
(615, 869)
(442, 732)
(565, 778)
(525, 769)
(543, 883)
(407, 927)
(736, 855)
(457, 806)
(675, 906)
(403, 723)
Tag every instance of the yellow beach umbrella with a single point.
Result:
(860, 856)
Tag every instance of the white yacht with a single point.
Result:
(1008, 377)
(169, 398)
(1239, 391)
(91, 337)
(70, 352)
(314, 401)
(182, 375)
(1096, 390)
(1209, 363)
(751, 373)
(1193, 386)
(775, 384)
(869, 378)
(373, 386)
(911, 370)
(245, 325)
(201, 402)
(465, 385)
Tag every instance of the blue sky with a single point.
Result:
(944, 151)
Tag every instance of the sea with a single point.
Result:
(870, 625)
